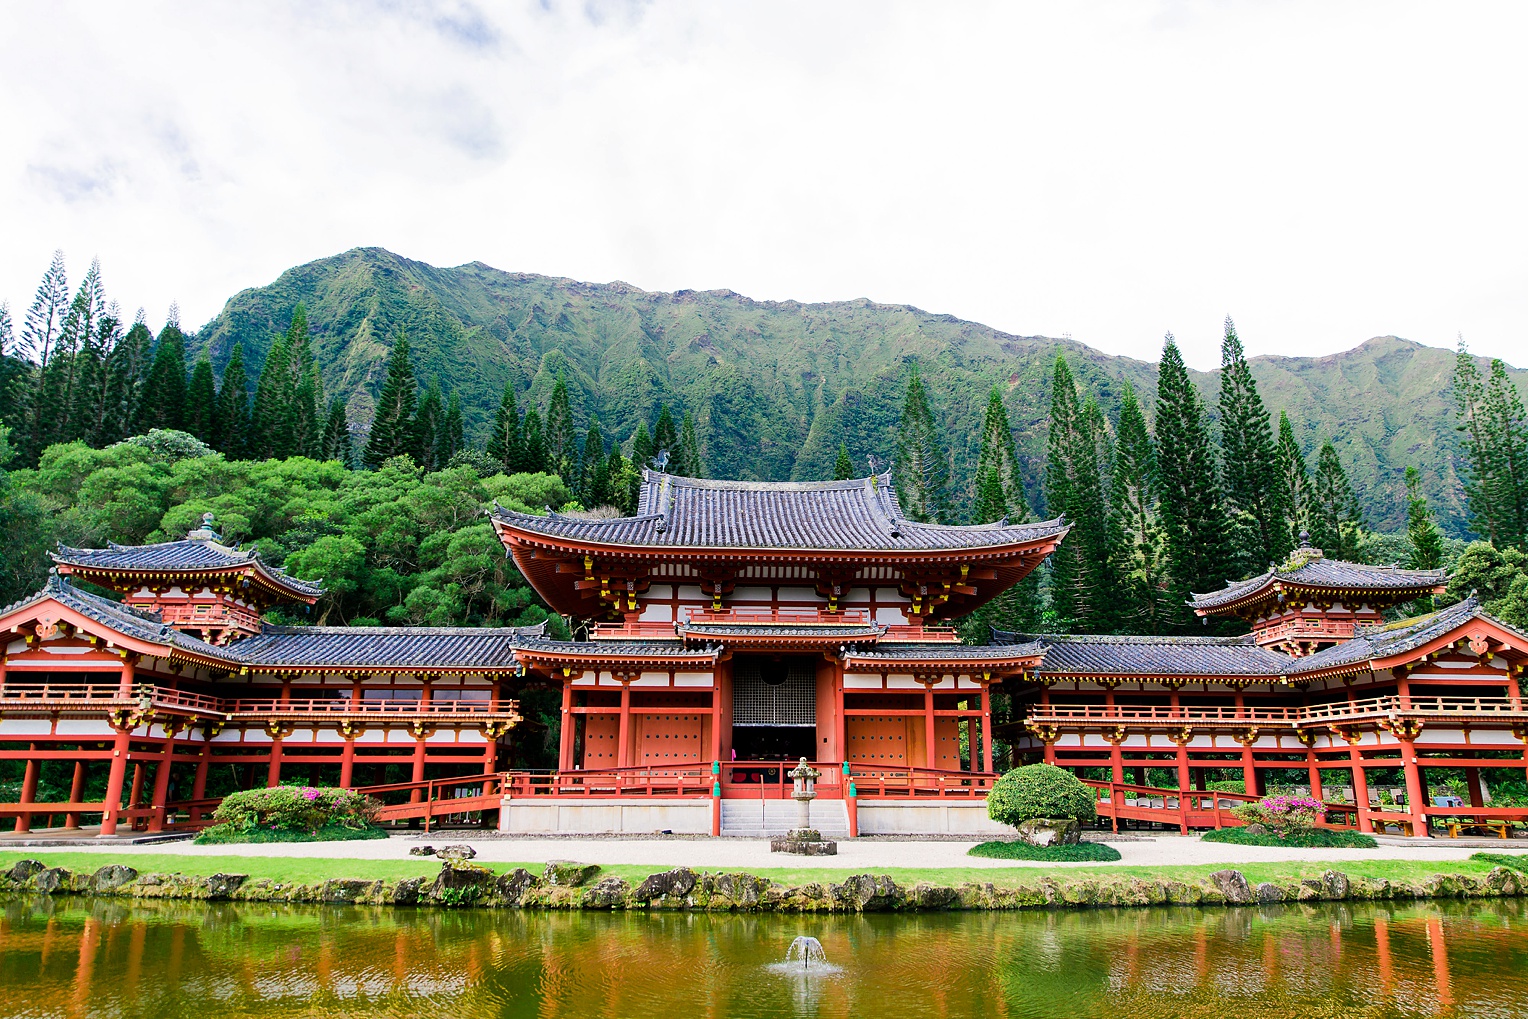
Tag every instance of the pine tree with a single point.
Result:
(923, 472)
(1255, 501)
(642, 448)
(561, 435)
(164, 394)
(1335, 520)
(666, 436)
(843, 468)
(127, 368)
(231, 419)
(1077, 461)
(92, 415)
(336, 443)
(1294, 481)
(429, 420)
(1017, 608)
(201, 401)
(11, 368)
(504, 444)
(533, 447)
(38, 412)
(45, 318)
(449, 441)
(1421, 529)
(269, 433)
(689, 450)
(1135, 538)
(1490, 413)
(625, 482)
(999, 452)
(392, 428)
(1188, 487)
(594, 479)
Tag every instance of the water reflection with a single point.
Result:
(106, 958)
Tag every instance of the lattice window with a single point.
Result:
(770, 693)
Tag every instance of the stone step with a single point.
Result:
(764, 818)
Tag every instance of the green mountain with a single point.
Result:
(775, 386)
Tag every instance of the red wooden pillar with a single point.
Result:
(931, 758)
(135, 799)
(1313, 766)
(987, 728)
(347, 763)
(1360, 789)
(1416, 798)
(113, 800)
(840, 722)
(623, 750)
(199, 783)
(1249, 770)
(162, 782)
(569, 726)
(416, 770)
(273, 772)
(28, 789)
(716, 718)
(76, 790)
(1472, 784)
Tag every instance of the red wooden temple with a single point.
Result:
(726, 630)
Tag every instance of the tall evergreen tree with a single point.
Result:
(270, 426)
(45, 318)
(232, 417)
(1255, 500)
(689, 465)
(504, 443)
(1083, 591)
(1018, 608)
(392, 428)
(923, 472)
(1490, 413)
(843, 467)
(164, 394)
(625, 482)
(642, 448)
(561, 435)
(1335, 519)
(533, 445)
(1294, 481)
(1421, 529)
(999, 453)
(1135, 537)
(666, 436)
(336, 442)
(429, 420)
(201, 401)
(1188, 487)
(450, 441)
(594, 478)
(127, 369)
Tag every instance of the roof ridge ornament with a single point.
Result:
(205, 532)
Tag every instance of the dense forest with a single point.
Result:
(110, 434)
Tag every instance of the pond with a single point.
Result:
(105, 958)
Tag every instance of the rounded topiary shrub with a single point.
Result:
(292, 813)
(1039, 791)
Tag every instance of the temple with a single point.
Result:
(724, 631)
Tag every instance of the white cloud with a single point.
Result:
(1323, 172)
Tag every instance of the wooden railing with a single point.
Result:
(671, 780)
(785, 614)
(267, 706)
(873, 782)
(1192, 808)
(1290, 717)
(103, 696)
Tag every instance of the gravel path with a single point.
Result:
(751, 854)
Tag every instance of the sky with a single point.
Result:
(1322, 172)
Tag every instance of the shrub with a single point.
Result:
(1282, 815)
(1309, 838)
(286, 811)
(1061, 852)
(1040, 790)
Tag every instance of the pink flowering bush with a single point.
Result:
(1282, 815)
(299, 810)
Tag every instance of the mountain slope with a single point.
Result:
(775, 386)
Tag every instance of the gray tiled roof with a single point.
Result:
(866, 631)
(948, 652)
(128, 621)
(625, 648)
(1330, 574)
(1090, 655)
(186, 554)
(1375, 642)
(406, 647)
(692, 513)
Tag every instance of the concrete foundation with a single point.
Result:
(691, 816)
(910, 817)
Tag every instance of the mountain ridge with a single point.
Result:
(776, 385)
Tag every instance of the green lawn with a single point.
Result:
(309, 870)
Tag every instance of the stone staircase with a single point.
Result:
(759, 819)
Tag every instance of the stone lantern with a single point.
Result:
(804, 839)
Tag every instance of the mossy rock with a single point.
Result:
(568, 873)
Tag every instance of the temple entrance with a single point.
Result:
(774, 707)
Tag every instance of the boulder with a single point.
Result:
(456, 852)
(1501, 881)
(406, 892)
(346, 890)
(1050, 831)
(460, 884)
(676, 883)
(803, 847)
(608, 894)
(926, 896)
(1267, 892)
(1232, 886)
(51, 880)
(1334, 885)
(511, 887)
(1310, 890)
(569, 874)
(111, 877)
(740, 891)
(422, 851)
(25, 869)
(867, 893)
(1257, 829)
(221, 886)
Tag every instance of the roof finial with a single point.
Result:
(661, 461)
(1305, 539)
(205, 532)
(875, 463)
